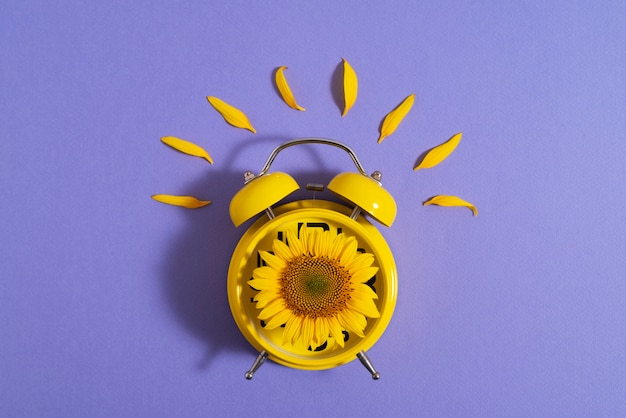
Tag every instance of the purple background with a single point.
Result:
(115, 305)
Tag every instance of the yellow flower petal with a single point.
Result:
(439, 153)
(303, 238)
(334, 328)
(272, 260)
(264, 297)
(320, 331)
(362, 276)
(295, 245)
(336, 247)
(307, 330)
(451, 201)
(291, 329)
(281, 251)
(285, 90)
(318, 247)
(349, 251)
(261, 276)
(364, 291)
(393, 118)
(272, 309)
(350, 86)
(364, 305)
(360, 261)
(187, 147)
(231, 114)
(352, 321)
(281, 318)
(188, 202)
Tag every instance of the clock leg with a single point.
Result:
(257, 363)
(365, 361)
(270, 213)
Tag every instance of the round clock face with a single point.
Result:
(327, 216)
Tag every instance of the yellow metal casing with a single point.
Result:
(367, 194)
(259, 194)
(330, 216)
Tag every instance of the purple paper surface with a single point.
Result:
(115, 305)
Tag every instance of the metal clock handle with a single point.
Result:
(300, 141)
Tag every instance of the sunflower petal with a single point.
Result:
(307, 330)
(321, 331)
(296, 247)
(363, 290)
(334, 328)
(439, 153)
(188, 202)
(350, 87)
(364, 275)
(324, 238)
(231, 114)
(304, 238)
(336, 246)
(264, 297)
(279, 319)
(349, 251)
(360, 261)
(272, 309)
(352, 321)
(281, 252)
(187, 147)
(265, 274)
(443, 200)
(285, 90)
(319, 249)
(393, 118)
(366, 306)
(291, 329)
(272, 260)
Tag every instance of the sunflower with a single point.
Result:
(315, 286)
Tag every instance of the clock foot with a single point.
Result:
(365, 361)
(257, 363)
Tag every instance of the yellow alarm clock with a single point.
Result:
(312, 284)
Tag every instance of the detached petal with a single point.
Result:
(350, 87)
(285, 90)
(451, 201)
(188, 202)
(393, 118)
(231, 114)
(187, 147)
(439, 153)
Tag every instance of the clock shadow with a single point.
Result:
(195, 268)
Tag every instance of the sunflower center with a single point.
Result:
(315, 286)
